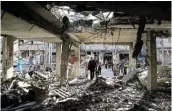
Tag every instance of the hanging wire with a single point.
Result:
(104, 41)
(117, 41)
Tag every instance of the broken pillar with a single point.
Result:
(132, 61)
(152, 62)
(58, 58)
(7, 56)
(64, 59)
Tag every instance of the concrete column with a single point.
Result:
(77, 61)
(4, 62)
(1, 45)
(152, 68)
(58, 58)
(8, 57)
(162, 49)
(64, 60)
(132, 61)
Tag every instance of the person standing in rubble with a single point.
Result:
(106, 63)
(31, 60)
(91, 67)
(19, 64)
(86, 70)
(125, 68)
(99, 68)
(120, 67)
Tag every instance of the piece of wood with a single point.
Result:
(128, 77)
(59, 94)
(67, 93)
(11, 85)
(64, 100)
(40, 74)
(62, 93)
(23, 106)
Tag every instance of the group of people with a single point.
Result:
(94, 67)
(35, 67)
(120, 67)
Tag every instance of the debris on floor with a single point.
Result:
(41, 92)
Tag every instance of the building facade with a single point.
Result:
(101, 53)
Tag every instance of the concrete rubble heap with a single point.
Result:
(40, 93)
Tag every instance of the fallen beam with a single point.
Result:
(143, 78)
(23, 106)
(59, 94)
(132, 75)
(65, 92)
(64, 100)
(62, 93)
(40, 74)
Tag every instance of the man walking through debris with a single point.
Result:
(19, 64)
(125, 68)
(99, 68)
(86, 70)
(120, 67)
(31, 60)
(106, 63)
(91, 67)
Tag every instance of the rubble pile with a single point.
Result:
(103, 83)
(113, 99)
(16, 93)
(27, 92)
(41, 92)
(164, 76)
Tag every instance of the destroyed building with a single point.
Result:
(56, 33)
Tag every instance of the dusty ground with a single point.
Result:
(132, 98)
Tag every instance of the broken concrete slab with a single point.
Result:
(128, 77)
(101, 82)
(23, 106)
(41, 74)
(143, 77)
(133, 75)
(73, 81)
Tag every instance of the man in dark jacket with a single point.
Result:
(91, 67)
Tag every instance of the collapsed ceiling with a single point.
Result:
(91, 18)
(88, 17)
